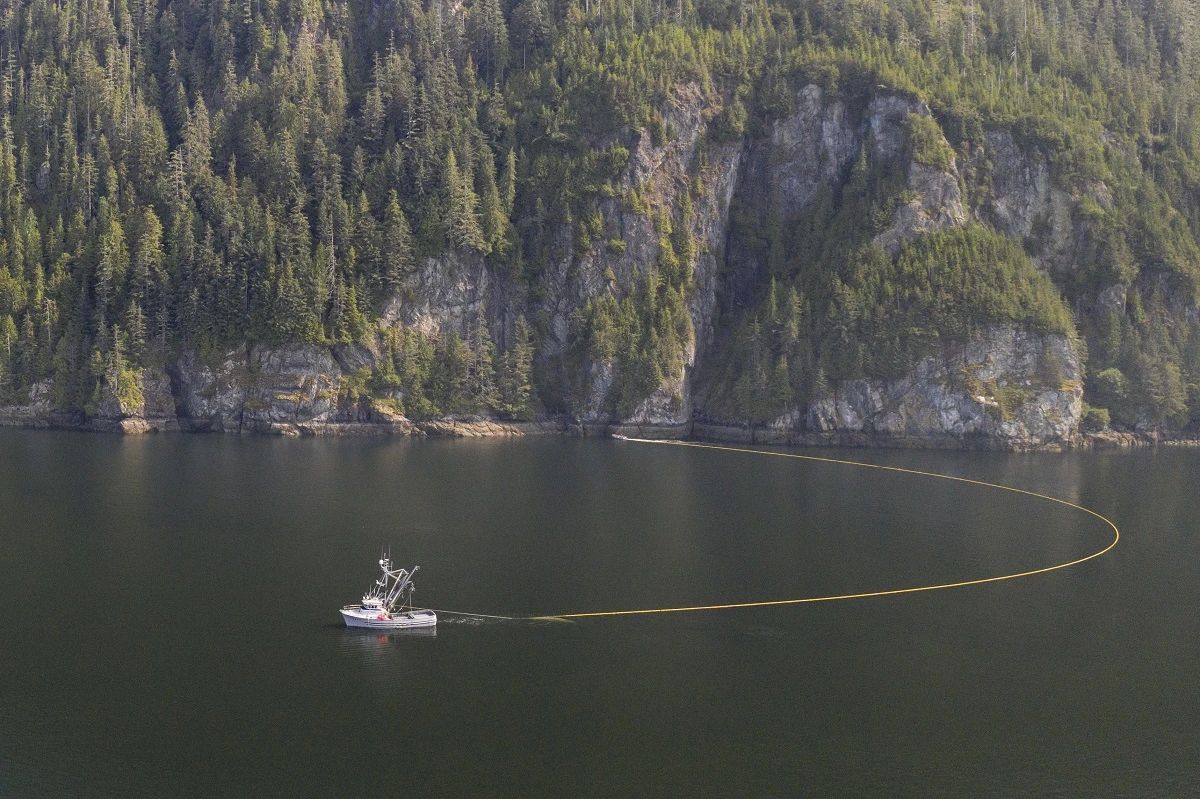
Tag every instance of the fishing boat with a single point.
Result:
(387, 605)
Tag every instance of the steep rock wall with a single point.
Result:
(1005, 387)
(688, 162)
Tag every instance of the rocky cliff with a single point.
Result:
(997, 385)
(297, 390)
(1002, 385)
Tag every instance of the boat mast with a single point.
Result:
(393, 585)
(403, 582)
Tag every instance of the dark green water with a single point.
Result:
(168, 622)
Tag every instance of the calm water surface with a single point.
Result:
(169, 627)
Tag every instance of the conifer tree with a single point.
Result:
(8, 340)
(482, 377)
(531, 26)
(493, 219)
(489, 38)
(111, 266)
(450, 375)
(508, 183)
(463, 230)
(516, 374)
(397, 255)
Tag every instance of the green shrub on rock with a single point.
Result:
(1094, 419)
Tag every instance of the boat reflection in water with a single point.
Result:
(367, 642)
(385, 654)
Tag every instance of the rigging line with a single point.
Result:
(864, 594)
(482, 615)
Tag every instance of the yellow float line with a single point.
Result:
(864, 594)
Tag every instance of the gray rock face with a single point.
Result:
(1057, 230)
(807, 151)
(210, 396)
(1006, 387)
(1024, 202)
(660, 175)
(291, 384)
(936, 204)
(155, 398)
(257, 389)
(1021, 187)
(886, 116)
(711, 228)
(814, 148)
(352, 358)
(666, 408)
(445, 292)
(35, 412)
(1015, 389)
(936, 198)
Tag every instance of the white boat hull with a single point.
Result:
(355, 616)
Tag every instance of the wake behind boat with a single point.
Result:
(387, 605)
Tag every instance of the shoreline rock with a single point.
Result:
(486, 428)
(37, 418)
(30, 418)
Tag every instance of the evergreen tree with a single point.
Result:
(516, 374)
(489, 38)
(450, 375)
(508, 183)
(531, 26)
(482, 372)
(493, 219)
(463, 229)
(8, 341)
(397, 255)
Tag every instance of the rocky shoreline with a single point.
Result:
(30, 417)
(306, 390)
(446, 427)
(767, 436)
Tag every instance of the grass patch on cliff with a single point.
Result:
(943, 286)
(966, 276)
(1009, 400)
(1000, 400)
(128, 388)
(927, 144)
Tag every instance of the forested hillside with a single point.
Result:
(745, 213)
